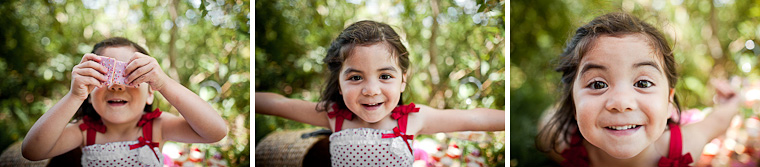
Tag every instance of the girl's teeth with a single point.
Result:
(624, 127)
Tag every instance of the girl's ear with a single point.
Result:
(149, 100)
(671, 95)
(403, 83)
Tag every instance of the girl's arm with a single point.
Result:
(715, 124)
(50, 135)
(199, 122)
(439, 120)
(293, 109)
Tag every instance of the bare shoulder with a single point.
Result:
(416, 120)
(691, 139)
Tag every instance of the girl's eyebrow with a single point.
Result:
(589, 66)
(389, 68)
(350, 70)
(648, 63)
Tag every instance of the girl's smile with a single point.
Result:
(371, 82)
(621, 94)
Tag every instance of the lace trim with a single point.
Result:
(120, 152)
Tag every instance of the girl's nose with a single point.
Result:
(371, 88)
(117, 87)
(621, 99)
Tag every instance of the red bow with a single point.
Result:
(398, 133)
(90, 124)
(681, 161)
(340, 113)
(404, 110)
(149, 117)
(142, 142)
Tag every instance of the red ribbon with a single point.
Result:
(404, 110)
(142, 142)
(341, 114)
(149, 117)
(682, 161)
(398, 133)
(90, 124)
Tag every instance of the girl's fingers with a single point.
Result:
(91, 64)
(722, 88)
(138, 60)
(88, 57)
(89, 72)
(138, 73)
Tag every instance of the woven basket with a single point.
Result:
(12, 157)
(293, 148)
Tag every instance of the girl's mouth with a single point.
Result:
(622, 130)
(117, 102)
(372, 106)
(624, 127)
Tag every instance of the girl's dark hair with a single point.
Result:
(362, 33)
(86, 107)
(562, 123)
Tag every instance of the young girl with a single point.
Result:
(618, 77)
(367, 74)
(118, 127)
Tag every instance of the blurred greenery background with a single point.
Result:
(714, 38)
(456, 50)
(203, 44)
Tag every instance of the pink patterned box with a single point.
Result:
(115, 71)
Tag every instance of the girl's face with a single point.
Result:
(371, 82)
(621, 95)
(120, 103)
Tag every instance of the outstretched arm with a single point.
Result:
(715, 124)
(50, 135)
(451, 120)
(199, 122)
(294, 109)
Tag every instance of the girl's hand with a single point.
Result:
(87, 75)
(726, 97)
(142, 68)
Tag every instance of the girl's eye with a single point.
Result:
(385, 76)
(597, 85)
(643, 84)
(355, 78)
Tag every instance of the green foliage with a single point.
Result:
(202, 44)
(707, 38)
(467, 41)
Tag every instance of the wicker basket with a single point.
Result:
(12, 157)
(294, 148)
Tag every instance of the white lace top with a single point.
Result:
(119, 154)
(366, 147)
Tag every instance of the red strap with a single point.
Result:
(674, 154)
(401, 113)
(92, 126)
(341, 114)
(146, 121)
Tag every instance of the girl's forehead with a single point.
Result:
(620, 50)
(121, 53)
(371, 55)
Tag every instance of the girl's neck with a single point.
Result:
(122, 129)
(386, 123)
(598, 157)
